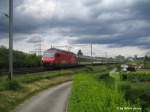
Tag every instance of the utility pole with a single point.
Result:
(38, 47)
(10, 39)
(91, 52)
(106, 55)
(91, 49)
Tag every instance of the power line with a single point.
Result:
(38, 47)
(68, 48)
(91, 50)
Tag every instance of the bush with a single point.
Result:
(104, 75)
(13, 85)
(20, 59)
(89, 69)
(124, 76)
(136, 88)
(136, 96)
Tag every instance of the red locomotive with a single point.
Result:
(58, 58)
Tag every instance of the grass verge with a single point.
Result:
(93, 92)
(135, 86)
(22, 87)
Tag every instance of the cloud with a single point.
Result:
(115, 23)
(41, 9)
(34, 39)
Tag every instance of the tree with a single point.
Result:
(80, 53)
(147, 61)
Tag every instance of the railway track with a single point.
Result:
(20, 71)
(24, 70)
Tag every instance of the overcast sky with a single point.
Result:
(113, 26)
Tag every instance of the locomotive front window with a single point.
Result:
(50, 55)
(57, 55)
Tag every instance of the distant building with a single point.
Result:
(124, 67)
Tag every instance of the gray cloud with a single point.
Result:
(34, 39)
(141, 9)
(117, 22)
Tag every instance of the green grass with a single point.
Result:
(92, 93)
(22, 87)
(136, 86)
(30, 78)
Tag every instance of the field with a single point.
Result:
(147, 62)
(95, 91)
(22, 87)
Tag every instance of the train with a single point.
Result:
(60, 58)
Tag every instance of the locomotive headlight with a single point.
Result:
(42, 59)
